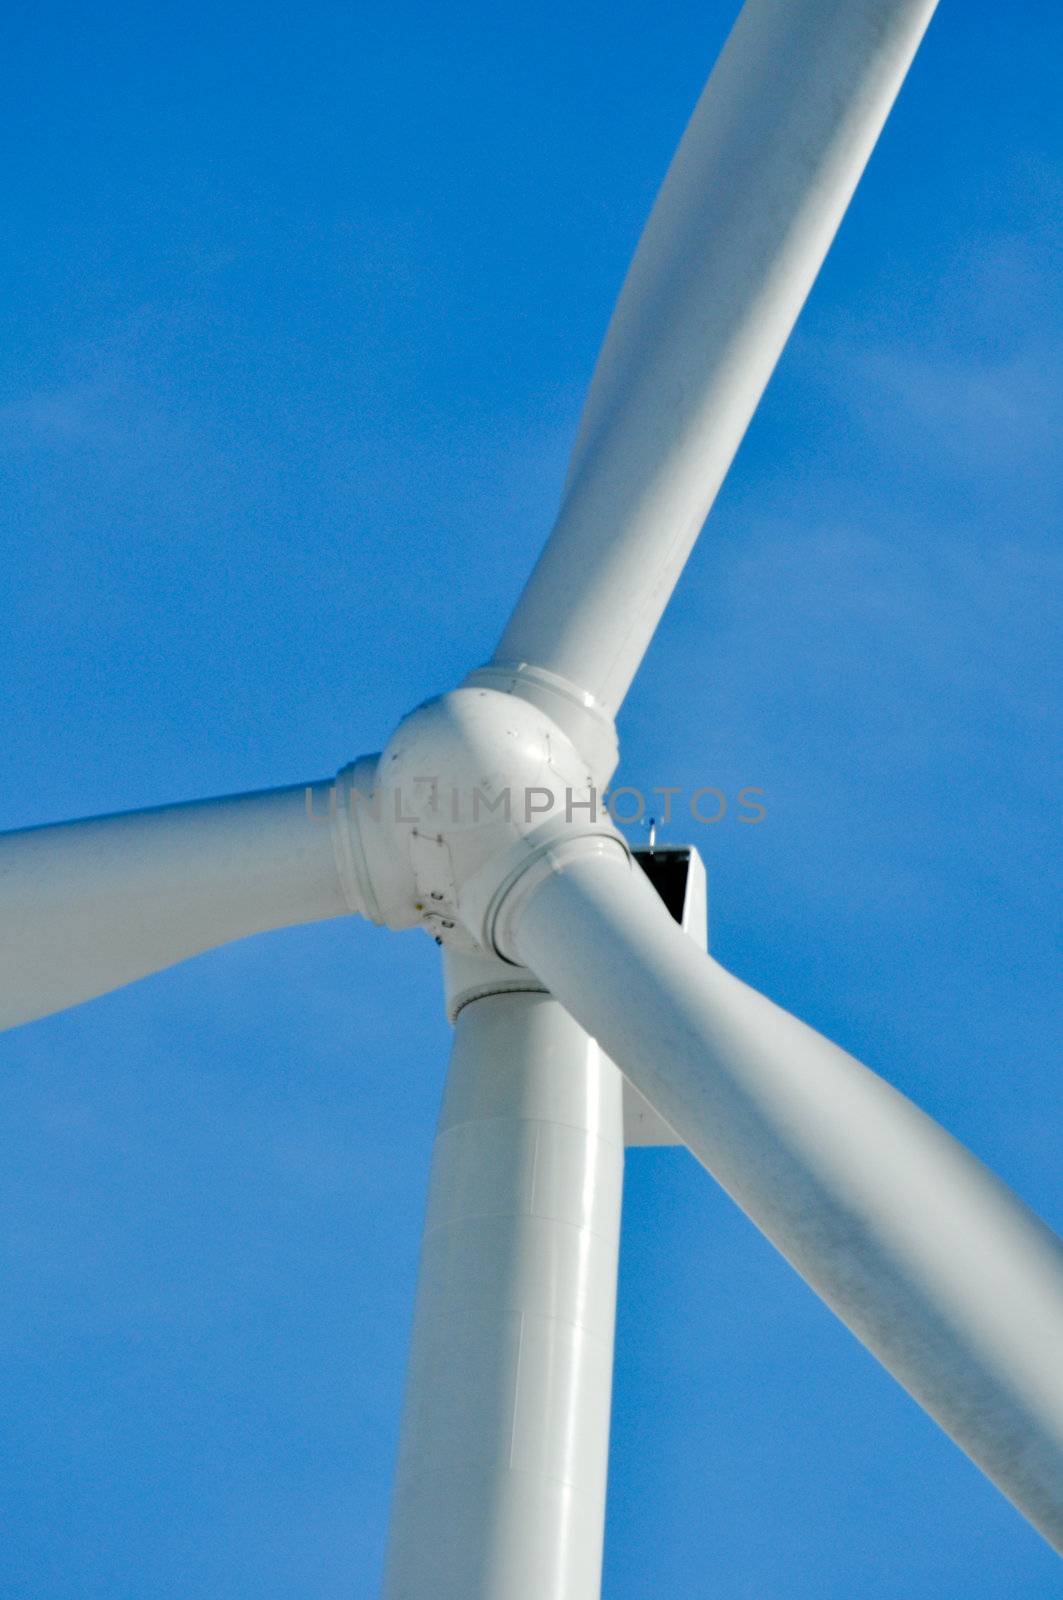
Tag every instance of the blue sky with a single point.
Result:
(300, 310)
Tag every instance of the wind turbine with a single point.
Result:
(480, 822)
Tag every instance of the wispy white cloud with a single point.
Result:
(982, 411)
(88, 412)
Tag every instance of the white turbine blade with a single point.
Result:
(938, 1267)
(743, 221)
(88, 906)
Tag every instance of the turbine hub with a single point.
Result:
(471, 790)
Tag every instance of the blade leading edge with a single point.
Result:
(952, 1282)
(746, 214)
(88, 906)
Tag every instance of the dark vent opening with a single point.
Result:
(667, 869)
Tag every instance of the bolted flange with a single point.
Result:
(472, 789)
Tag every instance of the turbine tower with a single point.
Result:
(587, 1011)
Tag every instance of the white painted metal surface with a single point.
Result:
(88, 906)
(939, 1268)
(461, 792)
(500, 1487)
(468, 977)
(747, 212)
